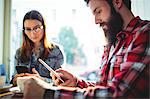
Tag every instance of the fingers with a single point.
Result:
(53, 76)
(57, 82)
(15, 77)
(20, 75)
(66, 83)
(89, 91)
(68, 78)
(34, 71)
(61, 71)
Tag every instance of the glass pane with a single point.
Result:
(70, 24)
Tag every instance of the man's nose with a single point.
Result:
(98, 20)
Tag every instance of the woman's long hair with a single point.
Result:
(28, 45)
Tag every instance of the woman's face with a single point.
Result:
(34, 30)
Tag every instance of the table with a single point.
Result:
(11, 95)
(9, 92)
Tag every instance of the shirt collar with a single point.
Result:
(126, 32)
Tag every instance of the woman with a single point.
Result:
(34, 46)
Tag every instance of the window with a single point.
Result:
(68, 20)
(71, 21)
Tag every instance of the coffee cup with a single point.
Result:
(20, 82)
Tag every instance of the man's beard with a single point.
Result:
(115, 25)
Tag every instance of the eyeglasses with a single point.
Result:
(36, 29)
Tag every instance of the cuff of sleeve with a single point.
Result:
(81, 84)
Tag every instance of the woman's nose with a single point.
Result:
(33, 32)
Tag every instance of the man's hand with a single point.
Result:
(33, 90)
(69, 79)
(90, 91)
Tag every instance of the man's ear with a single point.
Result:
(117, 3)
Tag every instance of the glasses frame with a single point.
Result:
(36, 29)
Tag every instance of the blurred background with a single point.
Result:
(69, 23)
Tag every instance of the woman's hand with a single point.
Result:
(15, 78)
(69, 79)
(35, 73)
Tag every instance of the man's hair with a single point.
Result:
(87, 1)
(126, 2)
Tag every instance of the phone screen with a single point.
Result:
(22, 69)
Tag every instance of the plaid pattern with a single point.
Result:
(125, 71)
(128, 59)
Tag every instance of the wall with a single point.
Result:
(141, 8)
(6, 35)
(1, 29)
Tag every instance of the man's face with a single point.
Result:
(107, 17)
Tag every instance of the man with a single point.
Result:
(124, 71)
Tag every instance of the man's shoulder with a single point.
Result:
(144, 24)
(143, 27)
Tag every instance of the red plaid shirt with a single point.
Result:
(122, 67)
(124, 71)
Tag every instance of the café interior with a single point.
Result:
(8, 33)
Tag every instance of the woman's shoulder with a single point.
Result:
(56, 49)
(18, 51)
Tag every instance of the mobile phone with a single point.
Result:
(22, 69)
(50, 69)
